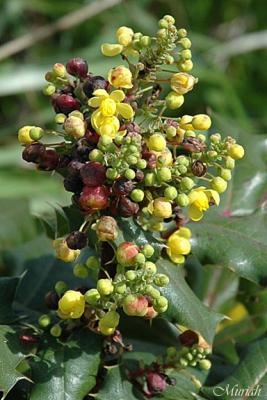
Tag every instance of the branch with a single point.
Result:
(66, 22)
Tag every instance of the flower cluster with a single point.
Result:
(123, 157)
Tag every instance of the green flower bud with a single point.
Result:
(137, 195)
(56, 331)
(215, 138)
(229, 162)
(152, 292)
(182, 200)
(161, 280)
(186, 66)
(92, 296)
(160, 304)
(92, 262)
(212, 154)
(145, 41)
(201, 137)
(96, 155)
(105, 287)
(157, 142)
(148, 250)
(162, 33)
(129, 173)
(205, 364)
(61, 287)
(141, 164)
(183, 362)
(36, 133)
(60, 118)
(201, 122)
(77, 114)
(111, 174)
(186, 54)
(185, 43)
(169, 19)
(120, 288)
(182, 33)
(132, 160)
(150, 179)
(111, 319)
(170, 193)
(196, 383)
(140, 258)
(171, 351)
(80, 271)
(219, 184)
(174, 101)
(130, 275)
(226, 174)
(150, 267)
(59, 70)
(164, 174)
(104, 141)
(182, 160)
(44, 320)
(187, 183)
(171, 132)
(182, 169)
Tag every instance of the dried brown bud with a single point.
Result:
(106, 228)
(198, 168)
(193, 145)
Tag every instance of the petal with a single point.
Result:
(125, 110)
(185, 233)
(177, 259)
(96, 119)
(194, 213)
(111, 50)
(94, 102)
(101, 93)
(117, 95)
(214, 195)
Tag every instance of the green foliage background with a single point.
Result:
(229, 51)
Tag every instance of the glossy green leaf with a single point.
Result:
(116, 386)
(184, 307)
(8, 287)
(66, 370)
(11, 355)
(234, 242)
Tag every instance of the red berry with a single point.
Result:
(49, 160)
(65, 103)
(33, 152)
(91, 136)
(94, 198)
(93, 174)
(188, 338)
(77, 67)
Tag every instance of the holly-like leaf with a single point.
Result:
(11, 355)
(249, 375)
(8, 287)
(184, 307)
(66, 370)
(237, 243)
(116, 386)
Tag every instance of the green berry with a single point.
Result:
(150, 267)
(182, 200)
(187, 183)
(56, 331)
(170, 193)
(36, 133)
(141, 164)
(148, 250)
(215, 138)
(111, 174)
(96, 155)
(137, 195)
(80, 271)
(131, 160)
(219, 184)
(104, 287)
(92, 262)
(129, 174)
(92, 296)
(161, 280)
(164, 174)
(205, 364)
(44, 321)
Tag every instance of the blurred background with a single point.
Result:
(229, 52)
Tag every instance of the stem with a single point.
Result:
(144, 90)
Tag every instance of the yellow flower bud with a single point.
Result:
(236, 151)
(71, 305)
(201, 122)
(120, 77)
(63, 252)
(162, 208)
(74, 127)
(125, 35)
(109, 322)
(24, 135)
(111, 50)
(157, 142)
(219, 184)
(174, 100)
(182, 82)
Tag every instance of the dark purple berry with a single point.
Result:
(49, 160)
(77, 67)
(76, 240)
(93, 83)
(127, 208)
(91, 136)
(33, 152)
(73, 183)
(93, 174)
(51, 300)
(122, 187)
(74, 167)
(139, 175)
(64, 103)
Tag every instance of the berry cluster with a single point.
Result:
(121, 156)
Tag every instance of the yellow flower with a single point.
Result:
(63, 252)
(120, 77)
(178, 245)
(71, 305)
(182, 82)
(105, 119)
(162, 208)
(24, 135)
(199, 201)
(125, 35)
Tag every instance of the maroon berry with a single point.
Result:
(122, 186)
(77, 67)
(64, 161)
(76, 240)
(93, 174)
(156, 382)
(49, 160)
(65, 103)
(28, 339)
(74, 167)
(91, 136)
(93, 83)
(94, 198)
(188, 338)
(150, 158)
(139, 175)
(51, 300)
(127, 208)
(33, 152)
(73, 183)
